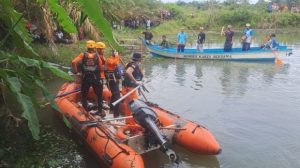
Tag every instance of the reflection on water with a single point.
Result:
(249, 106)
(157, 159)
(232, 76)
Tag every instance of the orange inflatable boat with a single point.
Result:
(120, 145)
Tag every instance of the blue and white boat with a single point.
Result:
(254, 54)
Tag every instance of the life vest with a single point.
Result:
(90, 64)
(112, 63)
(137, 74)
(248, 33)
(114, 68)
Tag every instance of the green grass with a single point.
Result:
(65, 52)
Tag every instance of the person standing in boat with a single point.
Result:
(247, 38)
(181, 40)
(113, 73)
(228, 38)
(200, 40)
(148, 36)
(100, 47)
(91, 68)
(133, 77)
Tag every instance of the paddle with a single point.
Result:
(68, 93)
(277, 59)
(126, 95)
(85, 124)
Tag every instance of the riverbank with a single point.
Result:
(19, 150)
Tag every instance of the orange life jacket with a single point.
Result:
(112, 63)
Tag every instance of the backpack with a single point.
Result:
(119, 71)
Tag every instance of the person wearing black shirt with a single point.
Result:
(228, 41)
(200, 40)
(148, 36)
(164, 43)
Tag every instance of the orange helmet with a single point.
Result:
(90, 44)
(100, 45)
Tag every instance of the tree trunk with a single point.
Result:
(49, 28)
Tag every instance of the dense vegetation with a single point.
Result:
(215, 15)
(23, 73)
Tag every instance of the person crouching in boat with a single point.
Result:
(113, 74)
(133, 77)
(164, 43)
(228, 38)
(91, 69)
(272, 43)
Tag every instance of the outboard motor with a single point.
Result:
(147, 118)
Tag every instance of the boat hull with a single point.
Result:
(254, 54)
(119, 150)
(112, 153)
(191, 136)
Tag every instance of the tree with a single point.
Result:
(22, 69)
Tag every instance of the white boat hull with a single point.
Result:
(255, 54)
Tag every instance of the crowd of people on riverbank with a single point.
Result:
(59, 35)
(135, 22)
(95, 70)
(276, 7)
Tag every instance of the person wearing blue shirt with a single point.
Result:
(181, 40)
(272, 43)
(270, 8)
(247, 38)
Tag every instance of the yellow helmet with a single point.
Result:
(90, 44)
(100, 45)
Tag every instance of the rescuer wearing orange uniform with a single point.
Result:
(113, 75)
(91, 65)
(100, 47)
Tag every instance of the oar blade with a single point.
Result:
(278, 61)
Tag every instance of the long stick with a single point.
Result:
(142, 93)
(86, 124)
(126, 95)
(277, 60)
(108, 119)
(68, 93)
